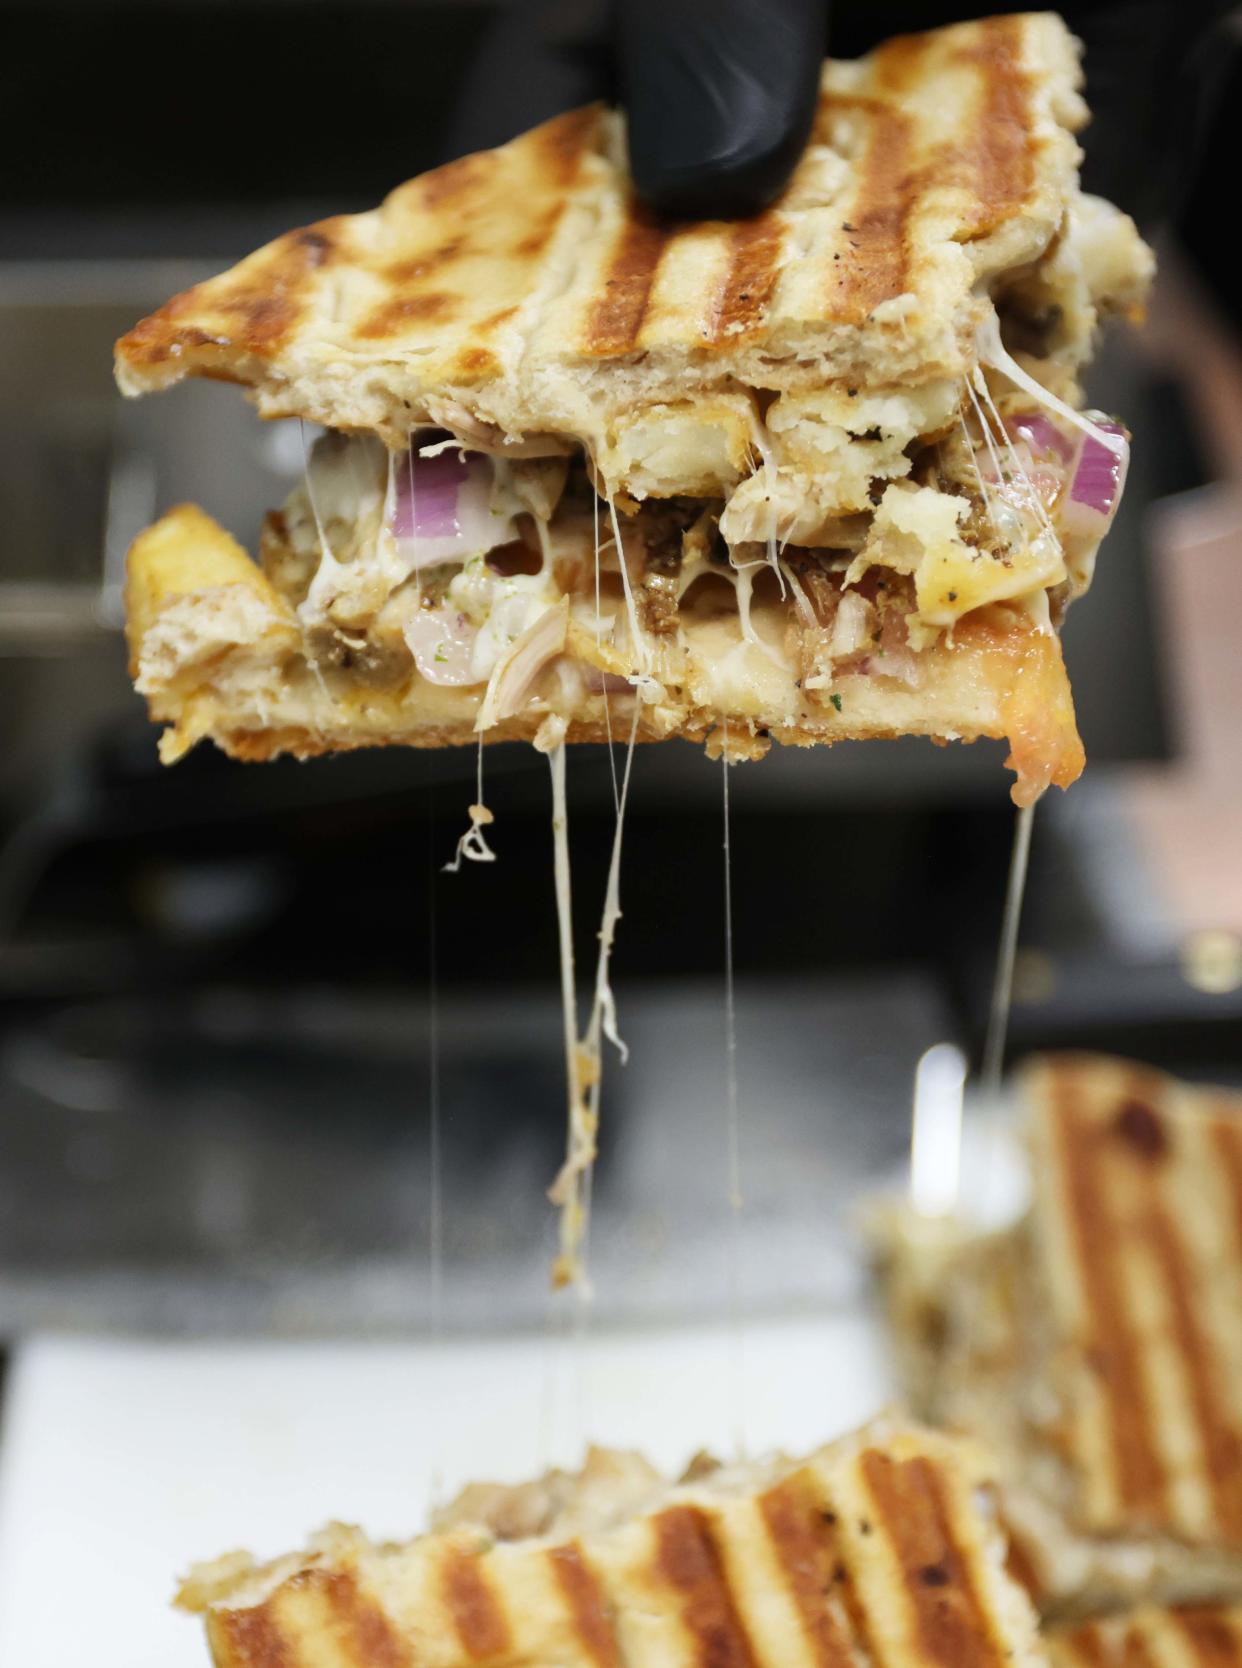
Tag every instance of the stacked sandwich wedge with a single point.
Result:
(876, 1552)
(815, 475)
(1097, 1346)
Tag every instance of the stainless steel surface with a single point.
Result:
(251, 1163)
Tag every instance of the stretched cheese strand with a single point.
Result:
(571, 1190)
(473, 843)
(435, 1214)
(733, 1143)
(566, 1190)
(1002, 986)
(994, 354)
(612, 763)
(641, 648)
(327, 561)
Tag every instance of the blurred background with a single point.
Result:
(226, 993)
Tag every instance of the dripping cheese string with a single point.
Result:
(327, 561)
(473, 843)
(733, 1146)
(435, 1217)
(969, 1337)
(571, 1191)
(1002, 984)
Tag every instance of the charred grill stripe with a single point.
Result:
(1001, 159)
(564, 140)
(1219, 1437)
(372, 1642)
(1021, 1564)
(804, 1544)
(873, 264)
(1136, 1651)
(1222, 1447)
(953, 1624)
(1227, 1141)
(688, 1558)
(751, 278)
(1088, 1645)
(585, 1598)
(1116, 1356)
(247, 1638)
(480, 1622)
(617, 316)
(1209, 1635)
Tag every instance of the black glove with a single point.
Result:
(719, 94)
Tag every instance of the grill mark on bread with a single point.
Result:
(753, 249)
(250, 1638)
(405, 271)
(564, 141)
(1149, 1139)
(1020, 1564)
(1136, 1651)
(1139, 1472)
(1087, 1643)
(618, 315)
(873, 260)
(257, 311)
(389, 317)
(454, 179)
(585, 1598)
(1002, 166)
(1222, 1446)
(481, 1624)
(540, 233)
(689, 1559)
(1209, 1635)
(805, 1548)
(1227, 1140)
(373, 1642)
(952, 1621)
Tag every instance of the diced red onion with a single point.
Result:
(1096, 486)
(442, 643)
(1041, 434)
(441, 508)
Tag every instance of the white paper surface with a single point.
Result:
(122, 1463)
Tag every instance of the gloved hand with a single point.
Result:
(719, 94)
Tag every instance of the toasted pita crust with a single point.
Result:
(524, 290)
(873, 1551)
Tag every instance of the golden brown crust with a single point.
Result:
(504, 282)
(873, 1551)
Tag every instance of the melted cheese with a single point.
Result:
(473, 843)
(993, 353)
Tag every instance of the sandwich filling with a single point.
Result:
(759, 554)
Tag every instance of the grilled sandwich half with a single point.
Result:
(876, 1550)
(815, 475)
(1097, 1347)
